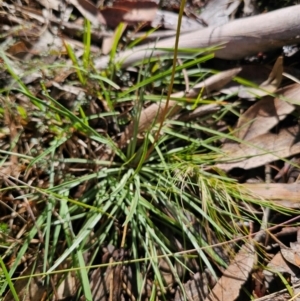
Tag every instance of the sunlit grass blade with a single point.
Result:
(75, 62)
(118, 33)
(166, 73)
(86, 43)
(8, 280)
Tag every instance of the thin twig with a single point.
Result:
(273, 295)
(29, 210)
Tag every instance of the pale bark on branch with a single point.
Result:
(240, 38)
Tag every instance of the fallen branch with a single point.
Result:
(240, 38)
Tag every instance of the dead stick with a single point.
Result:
(239, 38)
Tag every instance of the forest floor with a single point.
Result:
(149, 151)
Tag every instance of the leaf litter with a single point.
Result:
(266, 132)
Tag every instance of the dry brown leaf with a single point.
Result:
(229, 285)
(106, 286)
(29, 289)
(139, 11)
(258, 283)
(290, 94)
(214, 83)
(275, 191)
(278, 264)
(11, 169)
(114, 15)
(267, 112)
(292, 254)
(197, 288)
(156, 111)
(130, 12)
(261, 150)
(67, 288)
(100, 289)
(13, 123)
(17, 48)
(262, 116)
(275, 77)
(268, 86)
(256, 74)
(89, 11)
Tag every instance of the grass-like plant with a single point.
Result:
(155, 197)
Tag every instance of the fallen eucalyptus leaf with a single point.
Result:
(267, 112)
(229, 285)
(268, 86)
(261, 150)
(277, 192)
